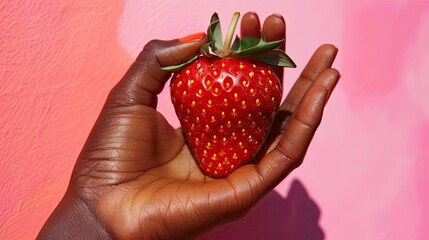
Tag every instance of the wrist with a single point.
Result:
(73, 219)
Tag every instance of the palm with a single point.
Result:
(174, 186)
(138, 174)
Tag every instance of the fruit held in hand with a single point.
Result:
(226, 98)
(226, 107)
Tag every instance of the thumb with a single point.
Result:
(145, 79)
(129, 137)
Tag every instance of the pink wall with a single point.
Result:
(365, 176)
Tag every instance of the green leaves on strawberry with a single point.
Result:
(226, 98)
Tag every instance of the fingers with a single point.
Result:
(274, 28)
(144, 80)
(322, 59)
(292, 147)
(250, 25)
(252, 182)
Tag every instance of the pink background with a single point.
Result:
(365, 176)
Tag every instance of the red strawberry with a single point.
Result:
(226, 99)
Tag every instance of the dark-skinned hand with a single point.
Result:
(135, 177)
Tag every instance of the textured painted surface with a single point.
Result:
(365, 176)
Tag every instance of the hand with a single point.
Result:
(135, 177)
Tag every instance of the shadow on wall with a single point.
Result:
(296, 217)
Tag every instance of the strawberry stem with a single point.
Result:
(231, 30)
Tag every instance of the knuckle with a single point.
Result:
(152, 45)
(309, 122)
(290, 152)
(151, 50)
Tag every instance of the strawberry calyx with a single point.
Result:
(257, 49)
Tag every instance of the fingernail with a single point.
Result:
(192, 38)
